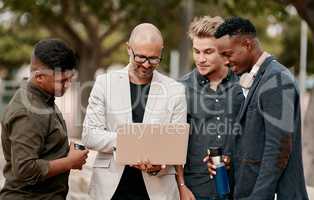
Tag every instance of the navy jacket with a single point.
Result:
(268, 151)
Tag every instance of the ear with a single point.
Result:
(248, 44)
(38, 76)
(128, 48)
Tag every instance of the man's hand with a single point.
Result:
(185, 193)
(76, 158)
(212, 168)
(148, 167)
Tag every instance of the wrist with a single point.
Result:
(181, 187)
(68, 163)
(181, 184)
(180, 180)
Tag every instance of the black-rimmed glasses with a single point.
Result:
(153, 60)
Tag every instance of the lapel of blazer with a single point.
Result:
(258, 78)
(154, 91)
(124, 92)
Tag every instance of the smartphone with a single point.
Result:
(79, 146)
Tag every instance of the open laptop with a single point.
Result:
(157, 143)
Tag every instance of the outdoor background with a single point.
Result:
(98, 30)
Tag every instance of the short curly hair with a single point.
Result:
(235, 26)
(204, 26)
(55, 54)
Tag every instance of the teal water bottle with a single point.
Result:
(221, 177)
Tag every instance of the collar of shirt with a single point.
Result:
(259, 62)
(46, 97)
(202, 80)
(254, 71)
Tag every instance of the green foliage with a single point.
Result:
(255, 8)
(290, 55)
(97, 25)
(104, 26)
(16, 45)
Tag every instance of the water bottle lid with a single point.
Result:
(216, 151)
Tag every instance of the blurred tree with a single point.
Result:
(290, 55)
(305, 8)
(16, 45)
(98, 28)
(94, 28)
(276, 11)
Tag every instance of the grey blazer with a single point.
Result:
(268, 156)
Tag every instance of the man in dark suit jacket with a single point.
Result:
(268, 158)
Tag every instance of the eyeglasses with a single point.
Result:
(153, 60)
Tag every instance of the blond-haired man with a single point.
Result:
(213, 101)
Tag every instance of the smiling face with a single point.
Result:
(205, 55)
(143, 58)
(237, 52)
(144, 48)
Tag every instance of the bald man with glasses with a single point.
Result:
(140, 94)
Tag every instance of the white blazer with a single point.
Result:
(110, 105)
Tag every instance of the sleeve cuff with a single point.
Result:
(43, 166)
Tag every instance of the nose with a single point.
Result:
(67, 82)
(227, 62)
(146, 64)
(202, 58)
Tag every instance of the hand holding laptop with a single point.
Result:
(148, 167)
(160, 144)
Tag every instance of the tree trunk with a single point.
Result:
(185, 45)
(305, 9)
(88, 67)
(81, 88)
(308, 138)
